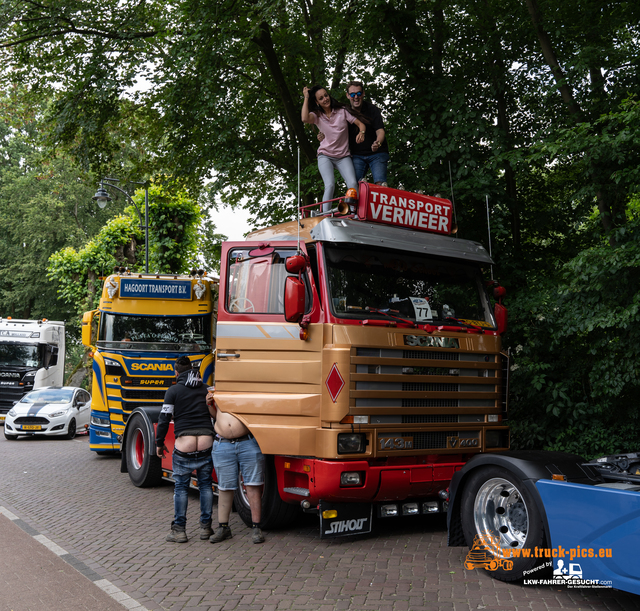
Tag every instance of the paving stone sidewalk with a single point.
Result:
(83, 504)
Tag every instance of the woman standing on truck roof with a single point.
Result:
(332, 119)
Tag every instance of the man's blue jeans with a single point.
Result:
(182, 469)
(376, 161)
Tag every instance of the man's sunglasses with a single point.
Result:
(357, 94)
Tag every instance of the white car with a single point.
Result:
(53, 410)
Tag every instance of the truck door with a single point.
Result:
(265, 373)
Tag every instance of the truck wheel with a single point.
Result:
(275, 512)
(144, 470)
(500, 515)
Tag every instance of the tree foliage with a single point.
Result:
(577, 370)
(45, 205)
(173, 242)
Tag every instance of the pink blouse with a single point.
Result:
(335, 130)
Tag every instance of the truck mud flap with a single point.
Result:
(345, 519)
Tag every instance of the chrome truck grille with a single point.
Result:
(438, 388)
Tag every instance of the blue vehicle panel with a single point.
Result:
(586, 519)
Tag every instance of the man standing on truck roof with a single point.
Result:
(185, 403)
(236, 450)
(373, 152)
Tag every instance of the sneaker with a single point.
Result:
(256, 535)
(205, 530)
(177, 534)
(223, 532)
(384, 184)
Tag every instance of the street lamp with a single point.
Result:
(102, 198)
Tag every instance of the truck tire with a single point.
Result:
(497, 508)
(275, 512)
(144, 469)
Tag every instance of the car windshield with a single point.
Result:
(49, 395)
(19, 355)
(368, 283)
(155, 333)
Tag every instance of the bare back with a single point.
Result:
(227, 425)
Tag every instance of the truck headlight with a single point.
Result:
(351, 478)
(97, 421)
(351, 443)
(112, 368)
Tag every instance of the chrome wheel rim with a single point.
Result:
(242, 491)
(136, 453)
(500, 515)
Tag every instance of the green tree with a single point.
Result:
(45, 205)
(173, 242)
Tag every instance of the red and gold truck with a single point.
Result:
(361, 349)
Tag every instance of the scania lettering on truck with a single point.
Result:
(31, 356)
(142, 324)
(360, 348)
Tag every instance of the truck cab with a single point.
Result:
(32, 355)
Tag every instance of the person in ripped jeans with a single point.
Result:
(236, 451)
(185, 403)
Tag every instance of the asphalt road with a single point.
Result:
(96, 521)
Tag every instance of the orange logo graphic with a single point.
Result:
(484, 554)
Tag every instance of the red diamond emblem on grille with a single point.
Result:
(334, 383)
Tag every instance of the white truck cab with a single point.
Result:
(32, 355)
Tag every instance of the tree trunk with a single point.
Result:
(292, 111)
(549, 54)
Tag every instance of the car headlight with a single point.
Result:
(12, 412)
(351, 443)
(59, 413)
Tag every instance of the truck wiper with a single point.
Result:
(387, 313)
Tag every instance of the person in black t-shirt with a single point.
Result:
(373, 152)
(185, 404)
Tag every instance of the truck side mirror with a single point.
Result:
(87, 319)
(501, 315)
(295, 264)
(294, 299)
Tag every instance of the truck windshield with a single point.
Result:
(155, 333)
(19, 355)
(368, 283)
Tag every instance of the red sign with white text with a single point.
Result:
(404, 209)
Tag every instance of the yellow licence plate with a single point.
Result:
(31, 427)
(2, 418)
